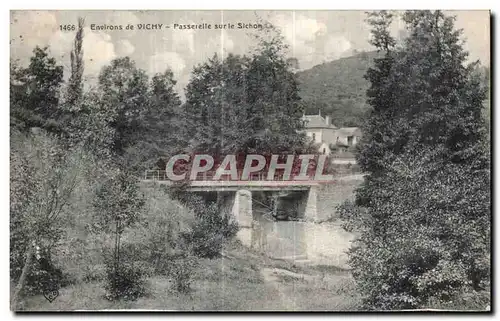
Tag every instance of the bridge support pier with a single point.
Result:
(311, 206)
(242, 208)
(242, 212)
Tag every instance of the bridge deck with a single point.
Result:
(256, 183)
(238, 185)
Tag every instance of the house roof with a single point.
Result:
(349, 131)
(316, 121)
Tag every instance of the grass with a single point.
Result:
(240, 280)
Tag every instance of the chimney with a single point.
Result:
(327, 120)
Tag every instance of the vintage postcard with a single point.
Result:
(250, 160)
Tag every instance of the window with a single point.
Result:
(349, 140)
(314, 136)
(324, 150)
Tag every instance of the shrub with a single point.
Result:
(125, 276)
(182, 272)
(210, 231)
(125, 282)
(416, 245)
(92, 273)
(160, 233)
(45, 276)
(464, 300)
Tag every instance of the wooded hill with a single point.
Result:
(337, 88)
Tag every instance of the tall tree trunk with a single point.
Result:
(22, 280)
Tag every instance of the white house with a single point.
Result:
(347, 136)
(321, 130)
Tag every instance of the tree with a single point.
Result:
(245, 104)
(75, 85)
(159, 137)
(35, 92)
(120, 203)
(273, 98)
(423, 210)
(72, 112)
(214, 106)
(43, 179)
(84, 119)
(163, 109)
(124, 95)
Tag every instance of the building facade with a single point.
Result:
(328, 136)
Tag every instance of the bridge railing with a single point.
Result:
(161, 175)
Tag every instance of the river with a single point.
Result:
(317, 243)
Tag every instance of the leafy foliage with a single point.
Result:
(34, 92)
(211, 229)
(423, 212)
(43, 180)
(182, 271)
(244, 104)
(120, 204)
(125, 280)
(75, 85)
(158, 133)
(123, 88)
(161, 229)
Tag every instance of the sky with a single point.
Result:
(313, 37)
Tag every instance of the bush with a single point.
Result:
(464, 300)
(125, 277)
(182, 272)
(160, 232)
(127, 282)
(93, 273)
(210, 231)
(45, 276)
(419, 241)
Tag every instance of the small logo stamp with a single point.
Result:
(51, 295)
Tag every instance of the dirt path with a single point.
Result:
(285, 290)
(271, 280)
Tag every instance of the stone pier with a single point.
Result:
(311, 205)
(242, 212)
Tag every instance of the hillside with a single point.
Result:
(337, 88)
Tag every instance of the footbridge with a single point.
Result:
(307, 200)
(256, 182)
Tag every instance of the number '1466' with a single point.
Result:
(67, 27)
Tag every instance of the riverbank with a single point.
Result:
(241, 280)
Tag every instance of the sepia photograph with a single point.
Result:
(250, 160)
